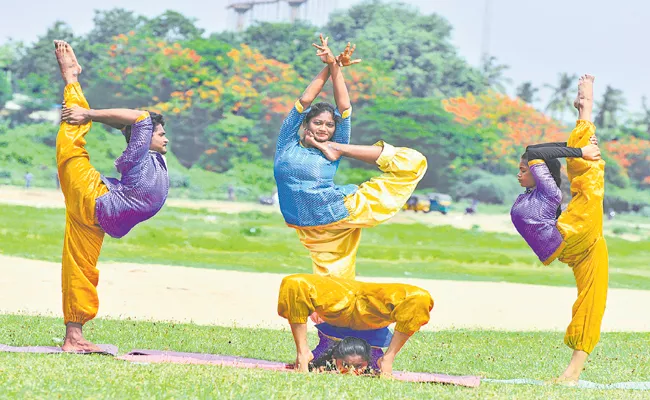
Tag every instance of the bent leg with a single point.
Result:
(382, 197)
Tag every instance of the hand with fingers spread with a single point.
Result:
(591, 152)
(75, 115)
(345, 59)
(324, 51)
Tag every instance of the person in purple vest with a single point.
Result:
(575, 236)
(95, 204)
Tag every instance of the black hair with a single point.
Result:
(318, 109)
(156, 119)
(349, 346)
(554, 166)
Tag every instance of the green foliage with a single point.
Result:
(288, 43)
(487, 187)
(417, 46)
(423, 124)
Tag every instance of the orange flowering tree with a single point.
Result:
(517, 125)
(207, 92)
(633, 155)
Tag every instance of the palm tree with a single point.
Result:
(563, 96)
(613, 103)
(493, 74)
(527, 92)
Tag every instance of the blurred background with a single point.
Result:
(469, 83)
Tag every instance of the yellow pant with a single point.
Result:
(81, 185)
(352, 304)
(585, 250)
(334, 247)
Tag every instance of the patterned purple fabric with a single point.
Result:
(143, 189)
(533, 213)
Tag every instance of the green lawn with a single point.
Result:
(261, 242)
(499, 355)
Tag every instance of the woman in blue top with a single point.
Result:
(313, 138)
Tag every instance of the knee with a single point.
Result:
(421, 300)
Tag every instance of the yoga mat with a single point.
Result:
(107, 349)
(158, 356)
(580, 385)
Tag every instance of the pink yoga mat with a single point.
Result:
(107, 349)
(157, 356)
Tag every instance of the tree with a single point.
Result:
(36, 71)
(450, 147)
(173, 26)
(493, 74)
(7, 58)
(527, 92)
(515, 124)
(417, 47)
(609, 107)
(110, 23)
(288, 43)
(563, 95)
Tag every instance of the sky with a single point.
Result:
(537, 39)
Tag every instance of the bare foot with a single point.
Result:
(302, 361)
(75, 342)
(70, 68)
(329, 149)
(585, 92)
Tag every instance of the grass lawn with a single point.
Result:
(499, 355)
(261, 242)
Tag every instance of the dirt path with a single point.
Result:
(227, 298)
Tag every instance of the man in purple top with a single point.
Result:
(95, 204)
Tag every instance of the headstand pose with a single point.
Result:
(327, 217)
(95, 204)
(360, 306)
(575, 236)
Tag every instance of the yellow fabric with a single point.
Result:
(142, 117)
(581, 226)
(333, 248)
(533, 162)
(352, 304)
(81, 185)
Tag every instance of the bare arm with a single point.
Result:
(341, 95)
(314, 88)
(115, 117)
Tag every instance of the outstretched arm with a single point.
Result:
(115, 117)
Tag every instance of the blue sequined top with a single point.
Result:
(305, 178)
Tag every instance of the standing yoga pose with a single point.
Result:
(327, 217)
(95, 204)
(574, 236)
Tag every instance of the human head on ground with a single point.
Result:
(525, 177)
(321, 121)
(350, 355)
(159, 140)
